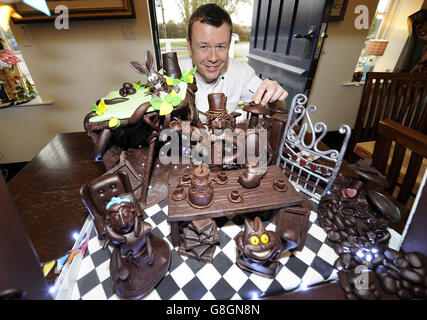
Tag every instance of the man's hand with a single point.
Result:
(268, 92)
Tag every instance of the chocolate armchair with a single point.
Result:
(97, 193)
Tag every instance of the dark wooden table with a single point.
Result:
(262, 198)
(46, 194)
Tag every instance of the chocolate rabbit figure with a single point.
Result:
(155, 80)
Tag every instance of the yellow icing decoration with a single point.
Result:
(47, 267)
(173, 94)
(169, 81)
(191, 78)
(138, 85)
(254, 240)
(264, 238)
(101, 107)
(113, 123)
(186, 72)
(165, 108)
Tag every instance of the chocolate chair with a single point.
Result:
(309, 165)
(97, 193)
(292, 225)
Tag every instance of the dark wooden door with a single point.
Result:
(286, 41)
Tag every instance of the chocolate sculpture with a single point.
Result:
(251, 177)
(258, 248)
(131, 118)
(199, 240)
(217, 116)
(140, 259)
(200, 191)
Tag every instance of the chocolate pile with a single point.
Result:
(346, 215)
(392, 273)
(199, 240)
(403, 274)
(368, 269)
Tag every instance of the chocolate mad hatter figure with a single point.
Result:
(140, 259)
(257, 249)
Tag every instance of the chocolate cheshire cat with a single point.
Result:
(257, 248)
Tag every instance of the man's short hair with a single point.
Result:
(211, 14)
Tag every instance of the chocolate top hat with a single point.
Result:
(171, 66)
(217, 103)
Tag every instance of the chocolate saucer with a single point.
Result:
(221, 178)
(179, 193)
(235, 196)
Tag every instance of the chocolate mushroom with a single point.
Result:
(383, 205)
(256, 110)
(366, 173)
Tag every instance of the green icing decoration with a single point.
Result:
(125, 109)
(156, 103)
(188, 76)
(137, 85)
(173, 100)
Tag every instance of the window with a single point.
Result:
(16, 84)
(172, 18)
(376, 31)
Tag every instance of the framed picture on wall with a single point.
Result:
(77, 10)
(338, 10)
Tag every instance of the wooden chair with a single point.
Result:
(394, 141)
(399, 96)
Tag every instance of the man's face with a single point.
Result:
(209, 49)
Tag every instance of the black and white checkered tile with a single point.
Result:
(222, 279)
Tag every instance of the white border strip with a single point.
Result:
(65, 282)
(414, 207)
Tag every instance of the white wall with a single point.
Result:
(338, 104)
(73, 67)
(397, 34)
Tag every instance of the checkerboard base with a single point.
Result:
(221, 279)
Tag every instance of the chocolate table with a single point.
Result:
(262, 198)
